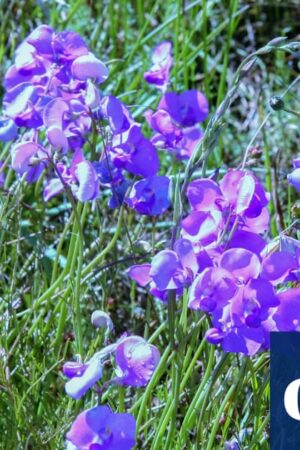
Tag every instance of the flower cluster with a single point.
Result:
(84, 142)
(135, 363)
(231, 273)
(49, 92)
(176, 119)
(53, 102)
(52, 93)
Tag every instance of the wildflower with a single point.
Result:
(150, 196)
(136, 361)
(49, 85)
(187, 108)
(294, 177)
(176, 122)
(287, 315)
(116, 114)
(88, 66)
(81, 178)
(169, 269)
(26, 154)
(99, 428)
(8, 129)
(238, 199)
(133, 152)
(162, 62)
(86, 377)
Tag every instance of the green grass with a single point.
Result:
(51, 279)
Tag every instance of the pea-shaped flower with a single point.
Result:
(99, 428)
(162, 61)
(82, 377)
(136, 361)
(150, 196)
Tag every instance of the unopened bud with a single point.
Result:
(276, 103)
(101, 319)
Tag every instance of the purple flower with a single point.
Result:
(187, 108)
(116, 113)
(88, 183)
(278, 267)
(240, 301)
(247, 240)
(179, 141)
(202, 227)
(8, 130)
(292, 246)
(135, 358)
(294, 179)
(169, 269)
(88, 66)
(49, 86)
(82, 178)
(216, 286)
(140, 273)
(99, 428)
(243, 192)
(243, 318)
(23, 103)
(212, 289)
(23, 155)
(133, 152)
(287, 315)
(118, 193)
(150, 196)
(86, 377)
(53, 117)
(162, 62)
(175, 120)
(237, 340)
(296, 162)
(136, 361)
(241, 263)
(238, 192)
(73, 369)
(244, 324)
(191, 136)
(238, 199)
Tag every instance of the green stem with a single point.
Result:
(197, 400)
(160, 370)
(59, 248)
(121, 399)
(78, 327)
(223, 405)
(172, 316)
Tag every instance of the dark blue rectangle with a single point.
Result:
(285, 369)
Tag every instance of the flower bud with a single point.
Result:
(294, 179)
(276, 103)
(73, 369)
(101, 319)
